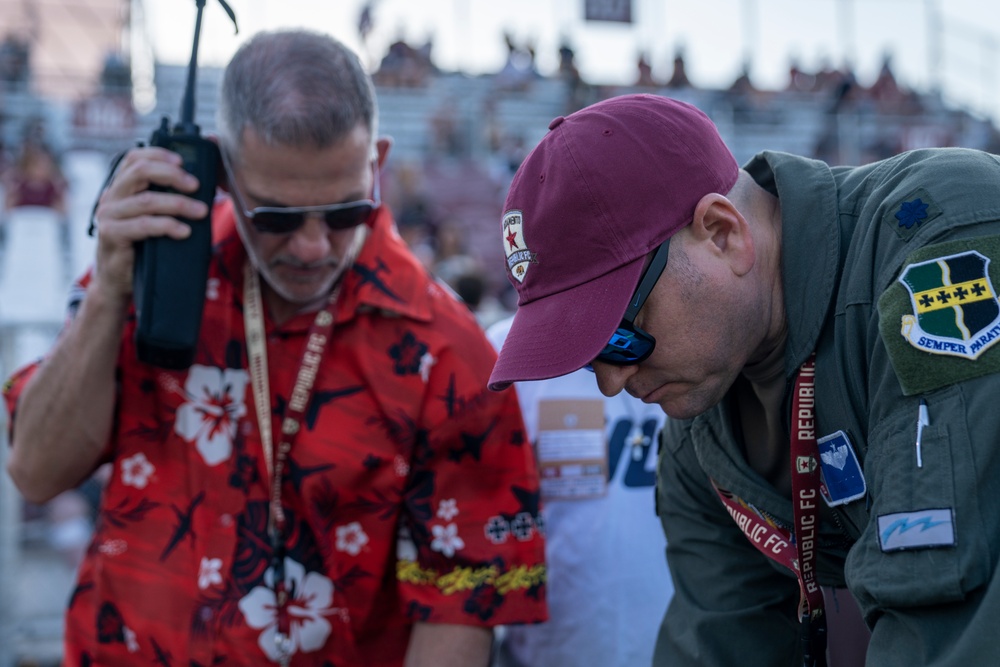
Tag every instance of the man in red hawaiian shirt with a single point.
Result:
(362, 501)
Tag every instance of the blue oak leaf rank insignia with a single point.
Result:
(911, 213)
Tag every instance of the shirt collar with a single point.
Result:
(810, 241)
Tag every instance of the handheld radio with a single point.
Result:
(170, 275)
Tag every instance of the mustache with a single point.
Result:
(329, 262)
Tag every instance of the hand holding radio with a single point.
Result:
(171, 273)
(129, 212)
(155, 240)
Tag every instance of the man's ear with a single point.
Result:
(221, 177)
(382, 146)
(718, 223)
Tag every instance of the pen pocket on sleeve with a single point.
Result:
(924, 541)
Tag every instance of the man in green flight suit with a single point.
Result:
(824, 341)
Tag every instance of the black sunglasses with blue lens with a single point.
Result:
(629, 344)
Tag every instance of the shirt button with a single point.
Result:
(206, 614)
(226, 520)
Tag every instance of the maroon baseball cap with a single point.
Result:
(605, 187)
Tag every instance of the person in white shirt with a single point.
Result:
(608, 583)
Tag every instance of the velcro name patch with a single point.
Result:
(923, 529)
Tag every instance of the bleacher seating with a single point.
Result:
(86, 170)
(32, 285)
(34, 278)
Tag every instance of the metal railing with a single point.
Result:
(32, 596)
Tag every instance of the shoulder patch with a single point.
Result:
(913, 212)
(940, 320)
(842, 479)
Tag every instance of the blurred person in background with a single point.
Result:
(330, 482)
(34, 179)
(608, 582)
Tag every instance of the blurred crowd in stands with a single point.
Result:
(423, 193)
(31, 175)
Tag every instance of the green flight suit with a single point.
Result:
(847, 236)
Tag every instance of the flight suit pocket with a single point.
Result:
(924, 541)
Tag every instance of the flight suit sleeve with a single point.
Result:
(923, 569)
(730, 606)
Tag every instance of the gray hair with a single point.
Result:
(296, 88)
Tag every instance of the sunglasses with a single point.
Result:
(287, 219)
(629, 344)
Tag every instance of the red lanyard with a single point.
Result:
(319, 335)
(775, 542)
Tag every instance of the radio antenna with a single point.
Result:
(187, 105)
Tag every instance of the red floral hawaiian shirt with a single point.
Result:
(411, 492)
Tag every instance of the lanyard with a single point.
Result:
(776, 543)
(319, 335)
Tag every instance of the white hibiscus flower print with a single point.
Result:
(406, 550)
(113, 547)
(311, 599)
(212, 289)
(446, 539)
(426, 362)
(136, 471)
(210, 573)
(351, 538)
(400, 466)
(214, 408)
(130, 641)
(447, 509)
